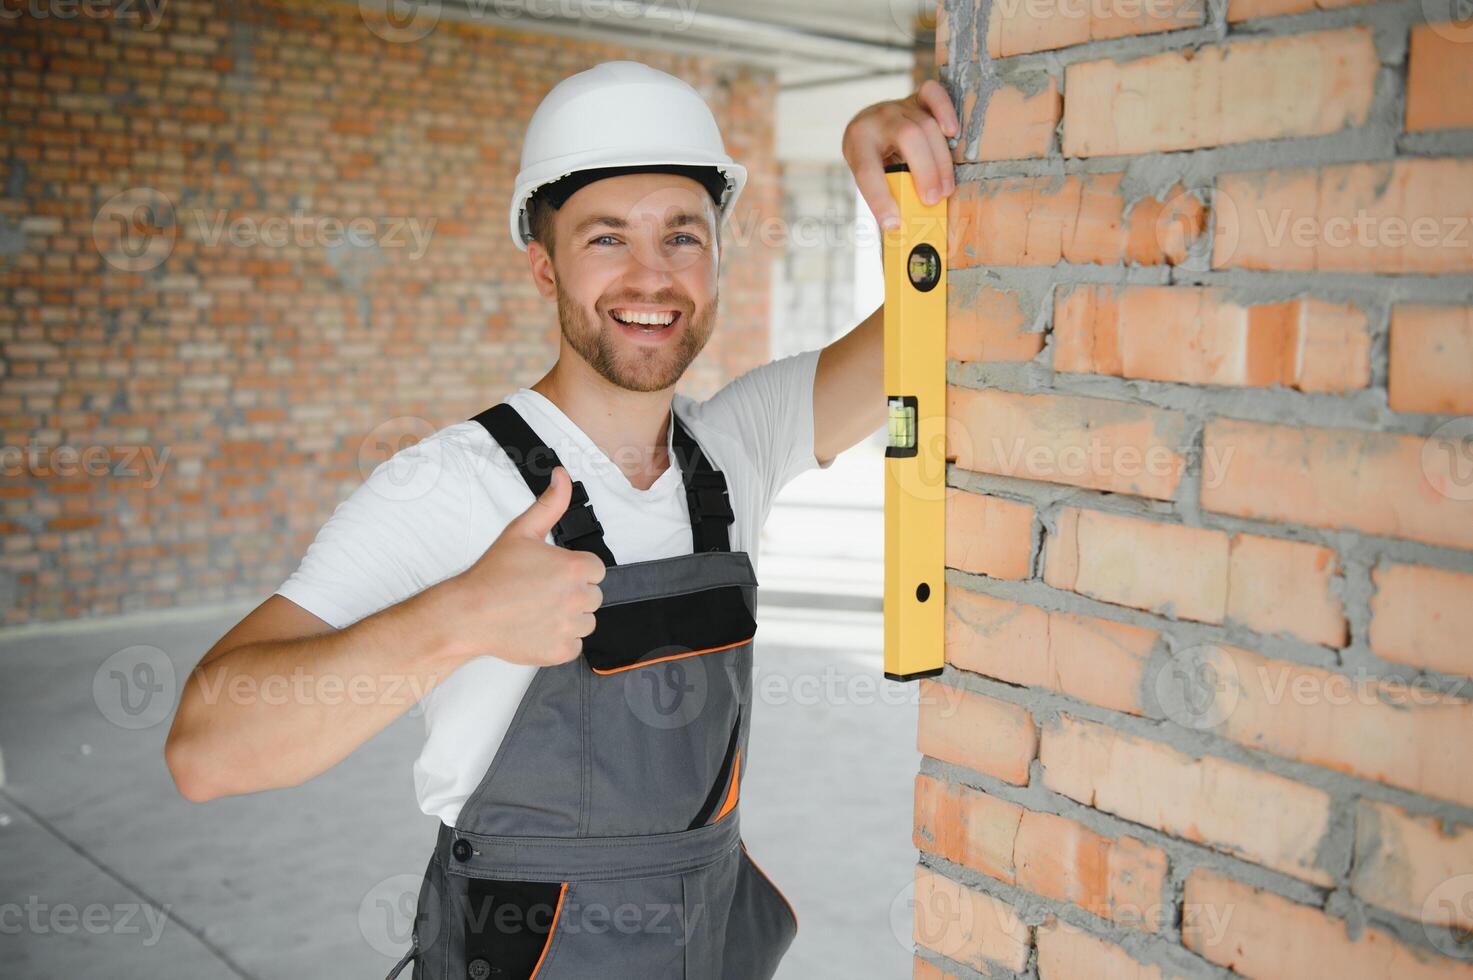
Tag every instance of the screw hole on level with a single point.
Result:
(923, 592)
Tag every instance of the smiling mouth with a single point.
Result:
(628, 321)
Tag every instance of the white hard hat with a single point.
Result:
(620, 114)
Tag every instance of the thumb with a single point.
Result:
(537, 520)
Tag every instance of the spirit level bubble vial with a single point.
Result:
(915, 452)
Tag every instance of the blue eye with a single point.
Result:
(693, 239)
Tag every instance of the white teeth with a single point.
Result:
(647, 319)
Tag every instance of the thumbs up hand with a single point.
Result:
(527, 601)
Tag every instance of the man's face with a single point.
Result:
(637, 244)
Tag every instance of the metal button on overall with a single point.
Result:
(604, 838)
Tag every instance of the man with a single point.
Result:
(584, 698)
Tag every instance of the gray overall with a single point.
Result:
(603, 840)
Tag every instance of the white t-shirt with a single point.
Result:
(433, 508)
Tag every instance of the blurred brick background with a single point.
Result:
(185, 397)
(1210, 533)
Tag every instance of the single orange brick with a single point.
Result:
(967, 926)
(966, 826)
(1375, 482)
(988, 535)
(1439, 80)
(1120, 879)
(1086, 442)
(1163, 568)
(1285, 586)
(1094, 660)
(1019, 28)
(1431, 359)
(988, 325)
(1422, 616)
(976, 731)
(1258, 934)
(1329, 347)
(1066, 952)
(1240, 10)
(1019, 125)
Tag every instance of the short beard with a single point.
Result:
(650, 369)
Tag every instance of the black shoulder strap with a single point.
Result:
(705, 486)
(579, 528)
(705, 493)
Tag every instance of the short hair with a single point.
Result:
(540, 215)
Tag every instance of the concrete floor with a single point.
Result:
(106, 872)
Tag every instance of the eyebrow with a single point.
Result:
(678, 220)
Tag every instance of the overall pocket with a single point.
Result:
(771, 887)
(762, 925)
(669, 627)
(504, 928)
(631, 927)
(669, 678)
(752, 926)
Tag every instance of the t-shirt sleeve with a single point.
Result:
(769, 409)
(396, 534)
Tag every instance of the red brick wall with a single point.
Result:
(1206, 704)
(179, 417)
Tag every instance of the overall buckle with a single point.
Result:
(707, 498)
(579, 521)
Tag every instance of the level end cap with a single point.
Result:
(914, 676)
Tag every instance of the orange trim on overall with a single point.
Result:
(792, 911)
(673, 656)
(551, 930)
(731, 794)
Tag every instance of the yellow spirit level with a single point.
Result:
(915, 453)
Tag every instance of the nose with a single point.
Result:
(649, 270)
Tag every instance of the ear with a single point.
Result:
(544, 275)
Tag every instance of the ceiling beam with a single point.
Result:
(664, 27)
